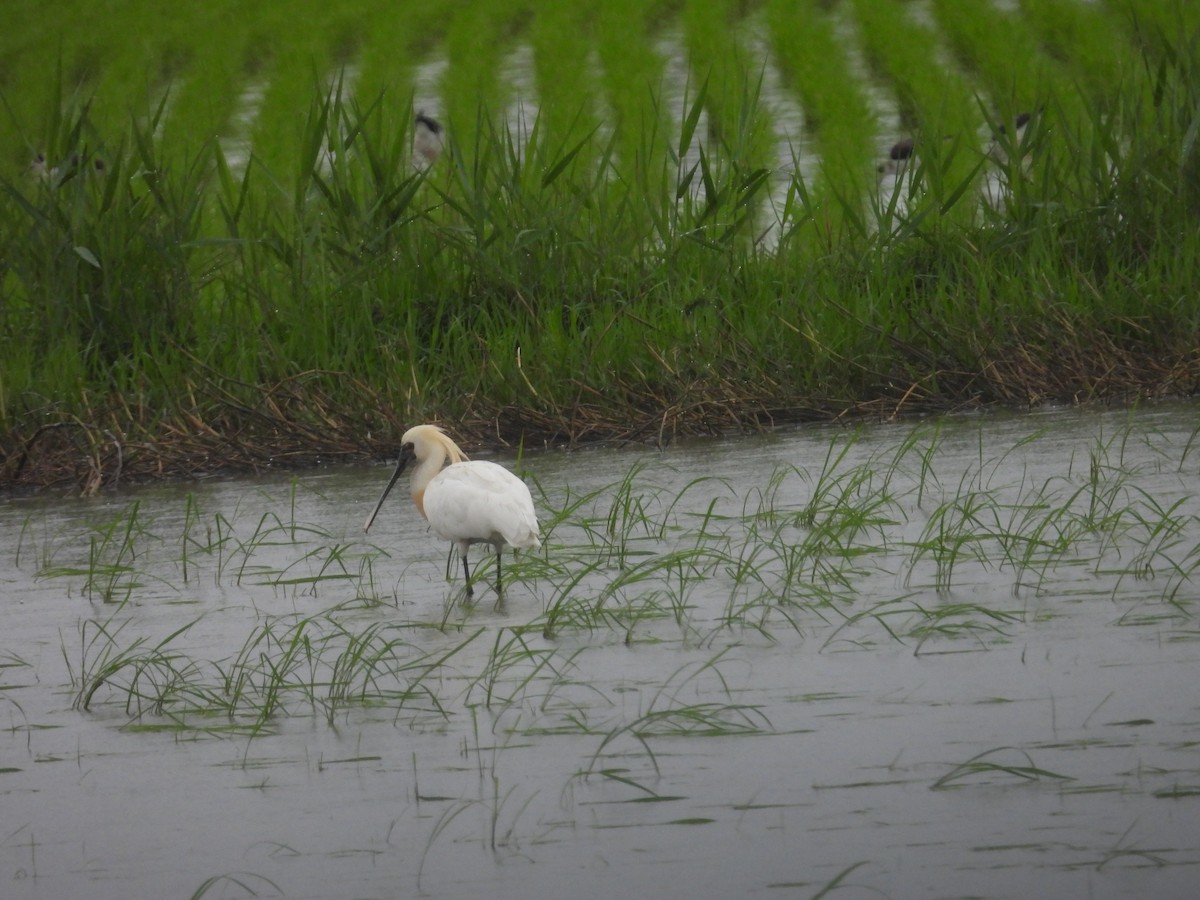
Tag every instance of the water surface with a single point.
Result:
(956, 657)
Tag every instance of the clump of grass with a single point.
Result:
(980, 767)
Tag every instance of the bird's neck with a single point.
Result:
(423, 474)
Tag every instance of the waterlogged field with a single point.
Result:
(951, 658)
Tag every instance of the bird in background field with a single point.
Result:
(1002, 144)
(42, 170)
(902, 151)
(898, 155)
(466, 502)
(428, 139)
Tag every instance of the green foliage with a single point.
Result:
(623, 258)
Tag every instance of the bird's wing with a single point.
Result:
(481, 501)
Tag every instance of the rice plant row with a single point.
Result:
(644, 220)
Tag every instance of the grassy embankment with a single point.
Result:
(620, 274)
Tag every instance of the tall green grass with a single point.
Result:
(589, 277)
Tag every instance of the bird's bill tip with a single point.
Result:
(371, 518)
(387, 490)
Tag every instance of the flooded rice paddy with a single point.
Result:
(947, 659)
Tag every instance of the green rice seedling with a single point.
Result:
(250, 882)
(718, 55)
(332, 567)
(934, 100)
(149, 676)
(705, 483)
(224, 535)
(368, 660)
(695, 720)
(825, 481)
(687, 568)
(1162, 529)
(191, 517)
(804, 39)
(1139, 857)
(110, 573)
(271, 531)
(566, 608)
(425, 670)
(1086, 38)
(511, 651)
(627, 512)
(1105, 491)
(841, 510)
(108, 577)
(955, 528)
(476, 37)
(836, 882)
(980, 765)
(1187, 448)
(938, 117)
(452, 812)
(749, 564)
(263, 671)
(629, 67)
(881, 613)
(926, 478)
(958, 619)
(1039, 535)
(567, 68)
(1182, 572)
(1000, 51)
(296, 48)
(316, 661)
(665, 715)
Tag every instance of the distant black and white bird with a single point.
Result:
(898, 156)
(1002, 143)
(41, 169)
(428, 139)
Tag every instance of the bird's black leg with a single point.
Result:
(499, 556)
(467, 575)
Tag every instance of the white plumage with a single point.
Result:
(465, 502)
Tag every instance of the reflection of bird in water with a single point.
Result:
(428, 139)
(467, 502)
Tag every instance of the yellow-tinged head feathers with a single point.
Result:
(429, 440)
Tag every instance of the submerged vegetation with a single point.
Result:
(220, 256)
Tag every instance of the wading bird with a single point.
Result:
(428, 139)
(898, 156)
(466, 502)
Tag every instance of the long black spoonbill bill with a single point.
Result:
(466, 502)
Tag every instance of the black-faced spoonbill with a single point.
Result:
(467, 502)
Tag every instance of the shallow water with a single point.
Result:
(960, 663)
